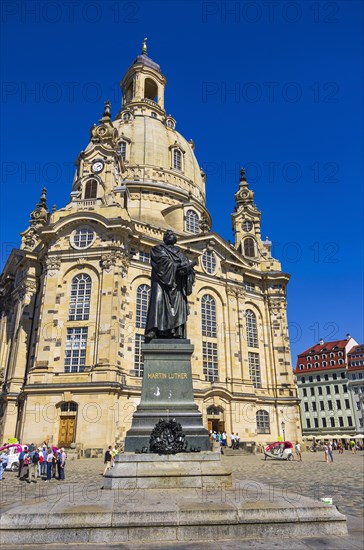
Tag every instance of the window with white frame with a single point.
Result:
(192, 222)
(254, 369)
(210, 362)
(144, 257)
(122, 150)
(208, 316)
(142, 303)
(251, 329)
(75, 353)
(83, 237)
(177, 159)
(263, 424)
(209, 261)
(249, 286)
(80, 298)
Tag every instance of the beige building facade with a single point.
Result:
(74, 296)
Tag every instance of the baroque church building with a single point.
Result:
(74, 297)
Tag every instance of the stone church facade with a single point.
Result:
(74, 297)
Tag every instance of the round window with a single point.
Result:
(83, 237)
(247, 225)
(209, 261)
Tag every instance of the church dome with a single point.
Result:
(154, 153)
(160, 169)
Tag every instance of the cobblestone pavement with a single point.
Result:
(342, 480)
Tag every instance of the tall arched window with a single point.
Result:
(142, 303)
(251, 329)
(177, 159)
(192, 222)
(249, 247)
(263, 424)
(208, 313)
(91, 189)
(209, 332)
(80, 298)
(122, 149)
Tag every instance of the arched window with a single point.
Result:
(251, 329)
(209, 261)
(122, 150)
(142, 303)
(91, 189)
(80, 298)
(177, 159)
(151, 90)
(209, 331)
(192, 222)
(208, 313)
(249, 247)
(263, 425)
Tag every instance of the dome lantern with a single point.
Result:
(144, 84)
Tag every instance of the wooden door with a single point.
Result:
(221, 426)
(209, 425)
(66, 431)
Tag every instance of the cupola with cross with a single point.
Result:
(143, 85)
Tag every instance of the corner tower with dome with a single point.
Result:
(74, 297)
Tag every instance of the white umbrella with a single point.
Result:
(346, 437)
(359, 436)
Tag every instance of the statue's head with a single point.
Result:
(169, 237)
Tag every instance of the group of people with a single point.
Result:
(109, 458)
(221, 437)
(44, 461)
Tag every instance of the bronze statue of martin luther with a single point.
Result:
(172, 280)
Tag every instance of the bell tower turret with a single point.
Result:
(143, 85)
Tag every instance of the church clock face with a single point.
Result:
(97, 167)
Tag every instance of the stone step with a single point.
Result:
(247, 510)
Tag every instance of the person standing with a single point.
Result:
(24, 473)
(298, 451)
(353, 446)
(43, 469)
(4, 463)
(21, 459)
(232, 440)
(237, 441)
(62, 463)
(33, 465)
(330, 451)
(326, 451)
(50, 457)
(224, 439)
(108, 459)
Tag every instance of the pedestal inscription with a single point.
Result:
(167, 394)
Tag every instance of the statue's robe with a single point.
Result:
(172, 282)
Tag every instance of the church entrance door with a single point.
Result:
(66, 431)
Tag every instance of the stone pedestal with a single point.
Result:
(167, 394)
(179, 471)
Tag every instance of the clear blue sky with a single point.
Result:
(276, 87)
